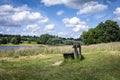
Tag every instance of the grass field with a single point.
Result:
(102, 62)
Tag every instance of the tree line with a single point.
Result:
(108, 31)
(43, 39)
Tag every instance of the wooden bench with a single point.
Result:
(75, 54)
(68, 55)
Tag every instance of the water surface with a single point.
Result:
(12, 47)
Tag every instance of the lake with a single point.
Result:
(12, 47)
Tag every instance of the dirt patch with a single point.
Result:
(40, 56)
(57, 63)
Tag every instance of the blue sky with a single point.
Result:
(65, 18)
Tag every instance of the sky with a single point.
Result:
(64, 18)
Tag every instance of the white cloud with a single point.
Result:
(84, 6)
(63, 33)
(49, 27)
(32, 27)
(1, 32)
(19, 16)
(70, 3)
(34, 16)
(80, 27)
(92, 7)
(72, 22)
(60, 12)
(117, 13)
(50, 3)
(9, 8)
(28, 21)
(75, 23)
(43, 20)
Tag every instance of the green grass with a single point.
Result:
(102, 62)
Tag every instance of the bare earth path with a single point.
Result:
(57, 63)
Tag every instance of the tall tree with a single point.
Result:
(108, 31)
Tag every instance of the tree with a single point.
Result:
(4, 41)
(14, 40)
(68, 42)
(18, 37)
(105, 32)
(54, 41)
(29, 41)
(44, 38)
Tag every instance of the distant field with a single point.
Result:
(102, 62)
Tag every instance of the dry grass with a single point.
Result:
(107, 48)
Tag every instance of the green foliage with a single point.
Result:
(71, 42)
(104, 32)
(14, 40)
(4, 41)
(54, 41)
(29, 41)
(68, 42)
(44, 38)
(0, 41)
(18, 37)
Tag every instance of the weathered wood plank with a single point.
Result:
(68, 55)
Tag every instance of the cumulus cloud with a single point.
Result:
(23, 17)
(117, 13)
(92, 7)
(49, 27)
(32, 27)
(63, 33)
(60, 12)
(19, 16)
(75, 23)
(70, 3)
(84, 6)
